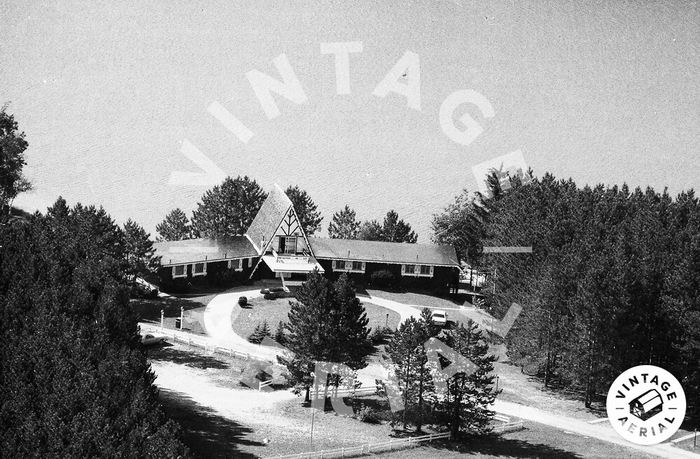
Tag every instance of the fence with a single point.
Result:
(367, 448)
(508, 427)
(198, 341)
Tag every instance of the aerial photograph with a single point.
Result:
(321, 229)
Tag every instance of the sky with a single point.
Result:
(108, 92)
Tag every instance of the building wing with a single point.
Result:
(384, 252)
(204, 250)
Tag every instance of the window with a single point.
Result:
(358, 266)
(426, 270)
(339, 265)
(179, 271)
(287, 244)
(409, 270)
(199, 269)
(234, 264)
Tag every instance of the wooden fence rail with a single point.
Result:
(201, 342)
(367, 448)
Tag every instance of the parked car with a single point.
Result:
(150, 340)
(439, 317)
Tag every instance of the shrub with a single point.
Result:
(368, 415)
(242, 301)
(270, 296)
(383, 279)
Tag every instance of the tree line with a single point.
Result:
(228, 210)
(613, 280)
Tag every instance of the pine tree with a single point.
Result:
(259, 333)
(305, 208)
(228, 209)
(74, 379)
(175, 226)
(466, 405)
(327, 323)
(392, 229)
(461, 224)
(280, 335)
(344, 224)
(397, 230)
(139, 250)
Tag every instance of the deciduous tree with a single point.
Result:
(12, 147)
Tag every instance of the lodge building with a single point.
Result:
(275, 246)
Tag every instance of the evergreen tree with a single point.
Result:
(344, 225)
(139, 250)
(228, 209)
(259, 333)
(327, 323)
(466, 405)
(280, 336)
(397, 230)
(175, 226)
(461, 224)
(392, 229)
(74, 379)
(407, 352)
(371, 231)
(12, 147)
(305, 208)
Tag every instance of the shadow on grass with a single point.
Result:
(148, 309)
(206, 433)
(191, 359)
(495, 445)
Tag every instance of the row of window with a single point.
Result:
(417, 270)
(200, 269)
(406, 270)
(350, 266)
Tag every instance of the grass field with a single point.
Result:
(277, 310)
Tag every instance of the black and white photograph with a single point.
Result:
(322, 229)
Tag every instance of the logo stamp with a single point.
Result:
(646, 405)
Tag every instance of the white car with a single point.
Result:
(439, 317)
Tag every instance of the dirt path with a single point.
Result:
(243, 405)
(603, 431)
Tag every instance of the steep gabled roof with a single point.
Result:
(198, 250)
(268, 218)
(384, 252)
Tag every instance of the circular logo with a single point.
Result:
(646, 405)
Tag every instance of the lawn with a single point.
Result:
(418, 299)
(211, 435)
(536, 440)
(148, 310)
(275, 311)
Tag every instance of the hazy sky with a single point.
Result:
(107, 92)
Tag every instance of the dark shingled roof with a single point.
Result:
(384, 252)
(198, 250)
(269, 217)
